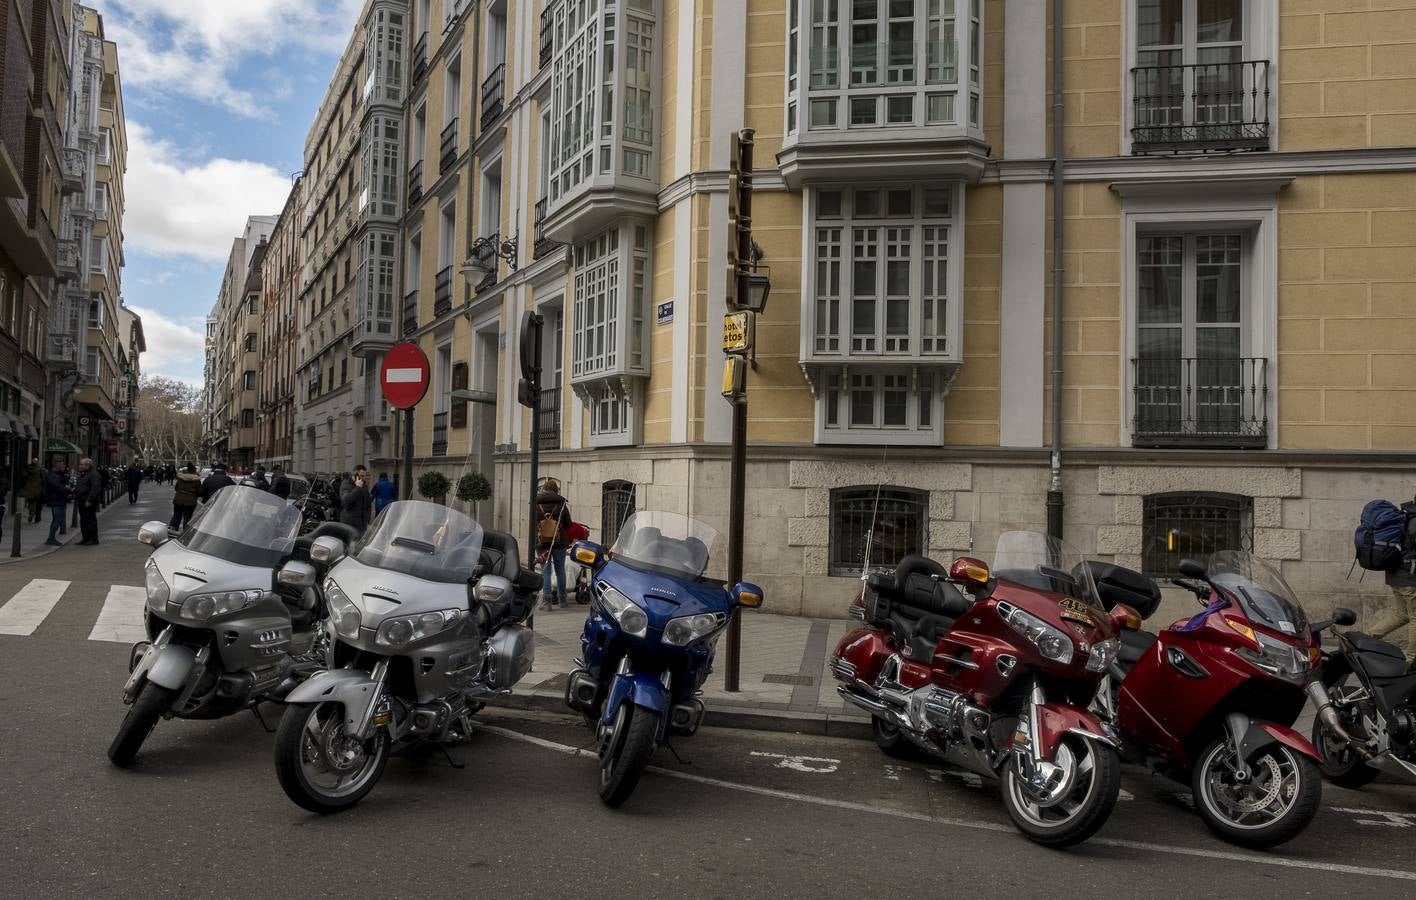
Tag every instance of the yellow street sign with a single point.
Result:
(734, 378)
(738, 328)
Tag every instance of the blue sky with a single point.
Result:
(219, 96)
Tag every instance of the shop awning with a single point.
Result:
(58, 445)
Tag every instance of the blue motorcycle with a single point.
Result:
(648, 642)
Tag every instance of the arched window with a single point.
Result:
(1192, 525)
(891, 521)
(616, 505)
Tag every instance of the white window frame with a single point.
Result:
(105, 147)
(100, 200)
(489, 201)
(1260, 42)
(1249, 207)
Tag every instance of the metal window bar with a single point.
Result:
(415, 183)
(1190, 525)
(1201, 106)
(447, 147)
(548, 419)
(541, 245)
(898, 521)
(548, 35)
(410, 312)
(440, 434)
(442, 293)
(493, 95)
(616, 505)
(1196, 401)
(420, 58)
(484, 252)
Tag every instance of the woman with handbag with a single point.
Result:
(554, 519)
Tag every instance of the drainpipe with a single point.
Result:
(1055, 503)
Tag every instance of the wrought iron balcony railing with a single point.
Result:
(415, 183)
(1205, 106)
(420, 58)
(548, 35)
(1200, 402)
(542, 245)
(493, 95)
(484, 253)
(442, 293)
(440, 434)
(447, 148)
(410, 312)
(548, 419)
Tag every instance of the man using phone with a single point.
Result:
(354, 500)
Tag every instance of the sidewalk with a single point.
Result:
(785, 680)
(116, 521)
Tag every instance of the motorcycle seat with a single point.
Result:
(1365, 643)
(501, 556)
(1134, 645)
(1376, 657)
(919, 590)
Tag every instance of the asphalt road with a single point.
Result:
(745, 814)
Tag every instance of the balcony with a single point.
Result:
(410, 312)
(72, 167)
(440, 434)
(442, 294)
(483, 254)
(415, 183)
(542, 245)
(420, 59)
(548, 419)
(68, 258)
(493, 95)
(548, 35)
(1201, 402)
(1208, 106)
(447, 148)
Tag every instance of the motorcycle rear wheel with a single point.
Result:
(890, 741)
(624, 752)
(1238, 812)
(152, 701)
(309, 739)
(1341, 764)
(1082, 810)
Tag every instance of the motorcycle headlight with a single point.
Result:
(1278, 658)
(404, 630)
(207, 606)
(686, 629)
(1103, 654)
(632, 620)
(1051, 643)
(157, 589)
(343, 614)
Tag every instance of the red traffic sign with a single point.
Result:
(404, 375)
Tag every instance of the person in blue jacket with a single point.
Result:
(384, 493)
(56, 497)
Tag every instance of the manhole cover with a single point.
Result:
(788, 679)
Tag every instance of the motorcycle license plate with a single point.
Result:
(1077, 611)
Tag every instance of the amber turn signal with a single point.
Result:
(585, 556)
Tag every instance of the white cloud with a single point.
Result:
(177, 207)
(174, 349)
(194, 47)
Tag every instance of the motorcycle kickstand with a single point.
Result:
(681, 760)
(448, 756)
(255, 710)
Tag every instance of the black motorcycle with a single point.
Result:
(1369, 727)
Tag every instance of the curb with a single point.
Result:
(813, 723)
(71, 536)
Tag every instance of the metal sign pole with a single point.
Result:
(740, 243)
(531, 366)
(407, 492)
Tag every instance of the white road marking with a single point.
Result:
(1379, 817)
(31, 605)
(121, 619)
(1228, 855)
(816, 764)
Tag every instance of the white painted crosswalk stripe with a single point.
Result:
(121, 619)
(24, 612)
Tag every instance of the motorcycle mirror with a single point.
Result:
(296, 574)
(1343, 616)
(749, 595)
(1191, 569)
(154, 534)
(1125, 617)
(968, 569)
(326, 550)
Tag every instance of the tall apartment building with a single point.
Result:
(36, 57)
(233, 348)
(353, 176)
(131, 344)
(1237, 212)
(280, 285)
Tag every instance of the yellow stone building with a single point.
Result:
(1239, 215)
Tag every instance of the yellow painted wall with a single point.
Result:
(1348, 74)
(782, 409)
(1092, 46)
(658, 399)
(971, 406)
(1347, 337)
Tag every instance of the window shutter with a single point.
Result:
(459, 407)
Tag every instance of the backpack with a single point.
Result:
(1378, 538)
(547, 530)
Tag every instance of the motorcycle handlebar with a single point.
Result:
(1199, 590)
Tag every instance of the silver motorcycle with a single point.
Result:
(232, 616)
(425, 623)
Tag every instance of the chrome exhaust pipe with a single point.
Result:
(1318, 693)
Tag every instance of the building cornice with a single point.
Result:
(1212, 166)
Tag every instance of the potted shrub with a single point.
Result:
(474, 488)
(434, 486)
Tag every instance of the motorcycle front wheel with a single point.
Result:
(1342, 764)
(625, 748)
(152, 701)
(1272, 805)
(1093, 772)
(320, 767)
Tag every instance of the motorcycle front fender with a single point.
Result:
(1057, 719)
(354, 689)
(1261, 735)
(642, 689)
(171, 666)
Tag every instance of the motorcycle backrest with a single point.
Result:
(1117, 584)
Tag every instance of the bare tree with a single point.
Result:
(169, 420)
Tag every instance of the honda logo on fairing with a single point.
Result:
(662, 590)
(386, 590)
(193, 569)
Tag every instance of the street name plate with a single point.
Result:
(737, 332)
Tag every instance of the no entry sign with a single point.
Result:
(404, 375)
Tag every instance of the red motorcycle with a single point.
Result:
(996, 681)
(1209, 700)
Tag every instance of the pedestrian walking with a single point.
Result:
(279, 484)
(56, 497)
(384, 493)
(88, 494)
(554, 519)
(32, 489)
(217, 480)
(258, 479)
(1402, 581)
(354, 501)
(184, 501)
(135, 480)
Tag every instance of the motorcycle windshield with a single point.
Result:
(666, 542)
(245, 527)
(425, 540)
(1259, 588)
(1044, 563)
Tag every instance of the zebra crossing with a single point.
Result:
(119, 621)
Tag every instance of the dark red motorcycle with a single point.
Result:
(1210, 699)
(996, 679)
